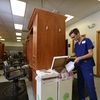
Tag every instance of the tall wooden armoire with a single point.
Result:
(47, 30)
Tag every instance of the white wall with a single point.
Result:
(13, 44)
(90, 33)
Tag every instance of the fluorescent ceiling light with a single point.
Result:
(18, 34)
(18, 26)
(18, 37)
(69, 17)
(18, 7)
(18, 40)
(2, 39)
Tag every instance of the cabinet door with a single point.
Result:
(45, 41)
(59, 36)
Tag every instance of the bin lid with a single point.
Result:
(47, 73)
(59, 62)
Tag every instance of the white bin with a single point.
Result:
(64, 89)
(46, 86)
(50, 86)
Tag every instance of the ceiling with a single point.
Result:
(78, 8)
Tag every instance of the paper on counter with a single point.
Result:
(69, 66)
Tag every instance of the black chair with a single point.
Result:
(14, 75)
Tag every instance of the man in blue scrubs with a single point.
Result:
(84, 61)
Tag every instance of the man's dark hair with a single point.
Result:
(75, 31)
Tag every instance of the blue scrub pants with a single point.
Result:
(87, 76)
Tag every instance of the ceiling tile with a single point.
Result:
(29, 10)
(6, 17)
(9, 25)
(35, 2)
(26, 22)
(5, 6)
(91, 10)
(18, 19)
(52, 4)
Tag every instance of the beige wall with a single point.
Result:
(90, 33)
(12, 44)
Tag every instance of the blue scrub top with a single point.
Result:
(82, 49)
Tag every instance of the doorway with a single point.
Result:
(66, 46)
(98, 52)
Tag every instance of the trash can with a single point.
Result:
(65, 78)
(46, 85)
(55, 83)
(65, 88)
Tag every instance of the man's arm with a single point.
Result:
(90, 54)
(73, 54)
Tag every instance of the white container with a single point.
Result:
(65, 89)
(43, 74)
(46, 85)
(65, 83)
(49, 86)
(47, 89)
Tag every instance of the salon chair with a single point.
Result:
(13, 75)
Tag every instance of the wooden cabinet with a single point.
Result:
(48, 40)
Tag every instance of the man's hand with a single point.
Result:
(69, 57)
(77, 60)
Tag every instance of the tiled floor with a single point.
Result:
(29, 86)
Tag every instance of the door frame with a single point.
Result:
(97, 53)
